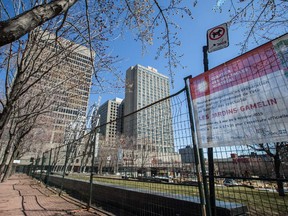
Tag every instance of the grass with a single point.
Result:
(258, 202)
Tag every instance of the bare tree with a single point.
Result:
(86, 153)
(106, 153)
(20, 125)
(56, 159)
(274, 150)
(263, 20)
(130, 152)
(25, 67)
(30, 62)
(102, 17)
(73, 138)
(30, 86)
(145, 153)
(14, 28)
(93, 25)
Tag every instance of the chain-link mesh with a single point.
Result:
(242, 175)
(144, 163)
(240, 110)
(159, 159)
(152, 155)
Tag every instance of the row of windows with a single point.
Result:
(64, 116)
(77, 63)
(81, 56)
(67, 110)
(80, 59)
(54, 47)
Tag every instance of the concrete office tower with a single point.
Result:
(67, 72)
(151, 128)
(108, 112)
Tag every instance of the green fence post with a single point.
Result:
(49, 168)
(42, 164)
(205, 207)
(35, 166)
(65, 164)
(210, 151)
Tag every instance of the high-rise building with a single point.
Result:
(153, 125)
(66, 71)
(110, 111)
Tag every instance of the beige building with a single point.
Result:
(109, 112)
(151, 127)
(66, 70)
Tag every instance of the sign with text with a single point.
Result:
(217, 38)
(245, 100)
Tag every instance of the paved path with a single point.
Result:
(22, 195)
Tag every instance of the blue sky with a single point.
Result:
(193, 38)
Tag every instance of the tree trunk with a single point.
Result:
(280, 186)
(13, 29)
(4, 116)
(100, 167)
(8, 170)
(84, 157)
(5, 157)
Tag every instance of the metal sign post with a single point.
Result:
(217, 38)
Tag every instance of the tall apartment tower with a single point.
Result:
(67, 72)
(108, 112)
(151, 126)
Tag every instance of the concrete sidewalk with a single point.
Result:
(22, 195)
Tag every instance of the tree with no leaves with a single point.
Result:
(277, 152)
(32, 86)
(94, 23)
(91, 23)
(97, 16)
(262, 20)
(20, 129)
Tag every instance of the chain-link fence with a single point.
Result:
(240, 112)
(153, 155)
(243, 174)
(159, 160)
(150, 164)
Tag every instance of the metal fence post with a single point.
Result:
(210, 151)
(204, 206)
(95, 125)
(35, 166)
(30, 171)
(64, 168)
(42, 164)
(49, 168)
(92, 170)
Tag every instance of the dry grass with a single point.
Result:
(258, 202)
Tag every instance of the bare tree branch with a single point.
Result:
(13, 29)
